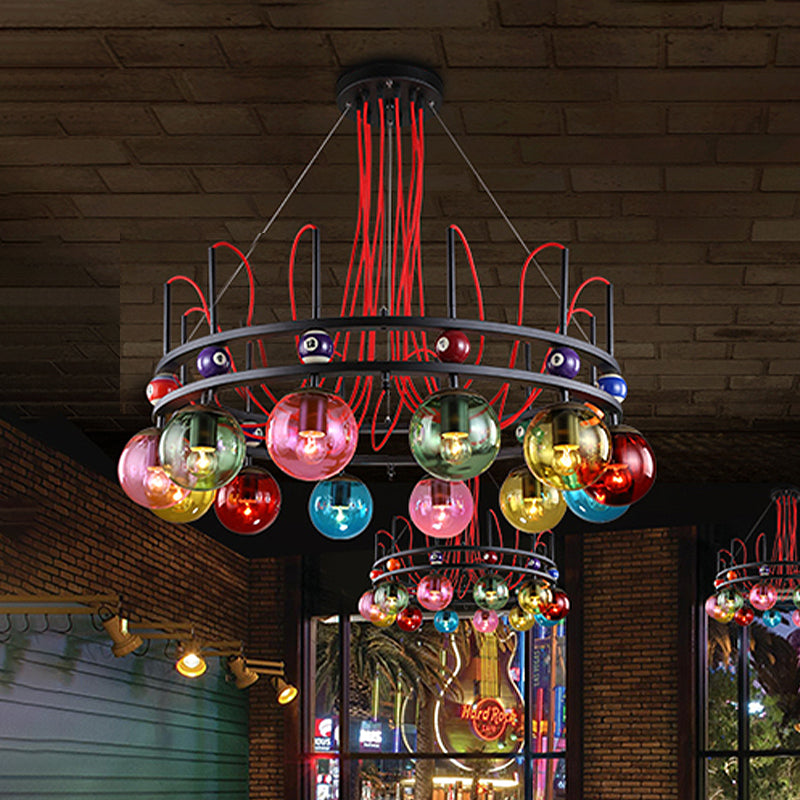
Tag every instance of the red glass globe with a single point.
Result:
(311, 435)
(557, 608)
(630, 473)
(409, 619)
(250, 503)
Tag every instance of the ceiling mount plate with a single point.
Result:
(393, 82)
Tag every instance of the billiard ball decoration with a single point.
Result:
(613, 384)
(161, 385)
(452, 347)
(315, 347)
(213, 361)
(563, 362)
(253, 435)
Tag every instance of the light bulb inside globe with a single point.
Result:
(310, 448)
(566, 458)
(159, 489)
(455, 447)
(617, 478)
(201, 461)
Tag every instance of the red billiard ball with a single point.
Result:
(452, 347)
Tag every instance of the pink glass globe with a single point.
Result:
(250, 503)
(796, 618)
(763, 596)
(311, 435)
(365, 604)
(434, 592)
(441, 509)
(141, 475)
(372, 612)
(485, 621)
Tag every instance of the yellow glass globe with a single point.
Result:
(528, 504)
(192, 507)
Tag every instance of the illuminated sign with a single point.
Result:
(370, 737)
(325, 735)
(488, 718)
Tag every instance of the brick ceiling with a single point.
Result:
(658, 140)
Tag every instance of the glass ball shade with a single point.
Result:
(585, 507)
(520, 620)
(796, 618)
(341, 507)
(391, 597)
(567, 446)
(723, 615)
(726, 598)
(557, 608)
(445, 621)
(250, 503)
(796, 597)
(311, 435)
(454, 435)
(532, 596)
(202, 448)
(441, 509)
(141, 475)
(372, 612)
(485, 621)
(490, 593)
(409, 619)
(631, 471)
(772, 618)
(763, 596)
(544, 622)
(528, 504)
(380, 619)
(434, 592)
(192, 507)
(743, 616)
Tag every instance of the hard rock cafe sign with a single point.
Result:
(488, 718)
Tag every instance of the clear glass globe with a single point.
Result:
(341, 507)
(202, 448)
(528, 504)
(250, 503)
(441, 509)
(567, 446)
(311, 435)
(141, 475)
(192, 507)
(454, 435)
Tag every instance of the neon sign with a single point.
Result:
(488, 718)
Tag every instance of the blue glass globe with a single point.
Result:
(445, 621)
(772, 618)
(542, 620)
(340, 507)
(585, 507)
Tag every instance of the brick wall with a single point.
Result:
(631, 666)
(85, 536)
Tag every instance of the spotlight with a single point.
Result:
(286, 692)
(242, 674)
(191, 664)
(124, 641)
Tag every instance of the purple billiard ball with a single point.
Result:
(613, 384)
(213, 361)
(161, 385)
(315, 347)
(563, 362)
(452, 347)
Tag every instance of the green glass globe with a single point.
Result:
(391, 597)
(202, 448)
(567, 446)
(490, 593)
(454, 435)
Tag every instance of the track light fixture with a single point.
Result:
(124, 641)
(190, 663)
(242, 675)
(246, 671)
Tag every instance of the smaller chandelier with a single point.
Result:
(753, 583)
(477, 578)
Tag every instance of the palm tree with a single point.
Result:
(405, 662)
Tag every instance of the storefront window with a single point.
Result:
(432, 716)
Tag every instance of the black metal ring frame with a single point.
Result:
(783, 575)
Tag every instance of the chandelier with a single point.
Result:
(756, 575)
(383, 383)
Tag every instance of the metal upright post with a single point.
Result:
(610, 319)
(316, 288)
(167, 314)
(451, 287)
(212, 288)
(564, 304)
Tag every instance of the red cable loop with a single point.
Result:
(199, 291)
(246, 263)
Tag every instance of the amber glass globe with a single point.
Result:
(192, 507)
(567, 446)
(454, 435)
(528, 504)
(202, 448)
